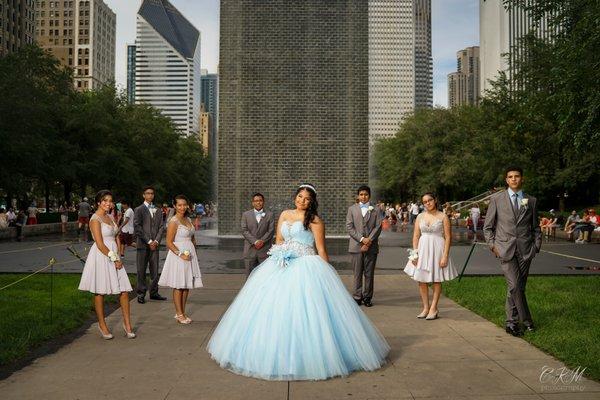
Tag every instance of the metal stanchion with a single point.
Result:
(467, 261)
(52, 262)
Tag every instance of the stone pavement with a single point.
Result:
(458, 356)
(224, 255)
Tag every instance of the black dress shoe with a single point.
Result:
(141, 299)
(157, 297)
(515, 331)
(358, 301)
(368, 303)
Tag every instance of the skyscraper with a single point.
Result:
(499, 33)
(167, 64)
(293, 105)
(82, 35)
(400, 63)
(210, 99)
(131, 53)
(16, 25)
(463, 85)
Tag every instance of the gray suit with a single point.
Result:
(517, 238)
(254, 231)
(147, 228)
(363, 263)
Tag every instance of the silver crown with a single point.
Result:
(308, 186)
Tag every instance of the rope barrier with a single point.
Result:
(34, 248)
(50, 264)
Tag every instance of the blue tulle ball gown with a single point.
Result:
(295, 320)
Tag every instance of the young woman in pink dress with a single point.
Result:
(181, 270)
(430, 262)
(103, 272)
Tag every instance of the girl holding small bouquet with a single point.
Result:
(181, 270)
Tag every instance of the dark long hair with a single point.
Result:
(184, 198)
(311, 211)
(434, 197)
(101, 195)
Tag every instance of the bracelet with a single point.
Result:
(113, 257)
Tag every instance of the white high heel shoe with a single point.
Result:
(184, 321)
(130, 335)
(105, 336)
(432, 316)
(422, 315)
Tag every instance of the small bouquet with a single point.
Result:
(112, 256)
(413, 254)
(524, 202)
(184, 253)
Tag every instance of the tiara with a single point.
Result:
(311, 187)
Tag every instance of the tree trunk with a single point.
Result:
(67, 189)
(47, 195)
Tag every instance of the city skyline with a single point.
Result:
(455, 25)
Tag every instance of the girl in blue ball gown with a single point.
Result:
(294, 318)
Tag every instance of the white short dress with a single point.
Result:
(178, 273)
(431, 251)
(100, 276)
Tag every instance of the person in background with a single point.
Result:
(20, 222)
(126, 228)
(3, 220)
(83, 216)
(64, 216)
(32, 212)
(11, 216)
(200, 212)
(475, 214)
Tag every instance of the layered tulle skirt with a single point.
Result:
(295, 320)
(100, 276)
(178, 273)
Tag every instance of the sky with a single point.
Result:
(455, 25)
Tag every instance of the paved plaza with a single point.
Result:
(458, 356)
(224, 254)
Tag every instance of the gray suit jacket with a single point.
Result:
(253, 231)
(147, 227)
(507, 233)
(357, 227)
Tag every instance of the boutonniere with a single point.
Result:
(370, 208)
(524, 202)
(262, 214)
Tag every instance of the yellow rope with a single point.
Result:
(34, 248)
(51, 263)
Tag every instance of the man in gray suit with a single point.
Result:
(513, 234)
(148, 226)
(258, 228)
(363, 223)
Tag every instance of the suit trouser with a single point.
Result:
(516, 271)
(252, 262)
(363, 264)
(144, 257)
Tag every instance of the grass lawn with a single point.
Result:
(565, 310)
(25, 311)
